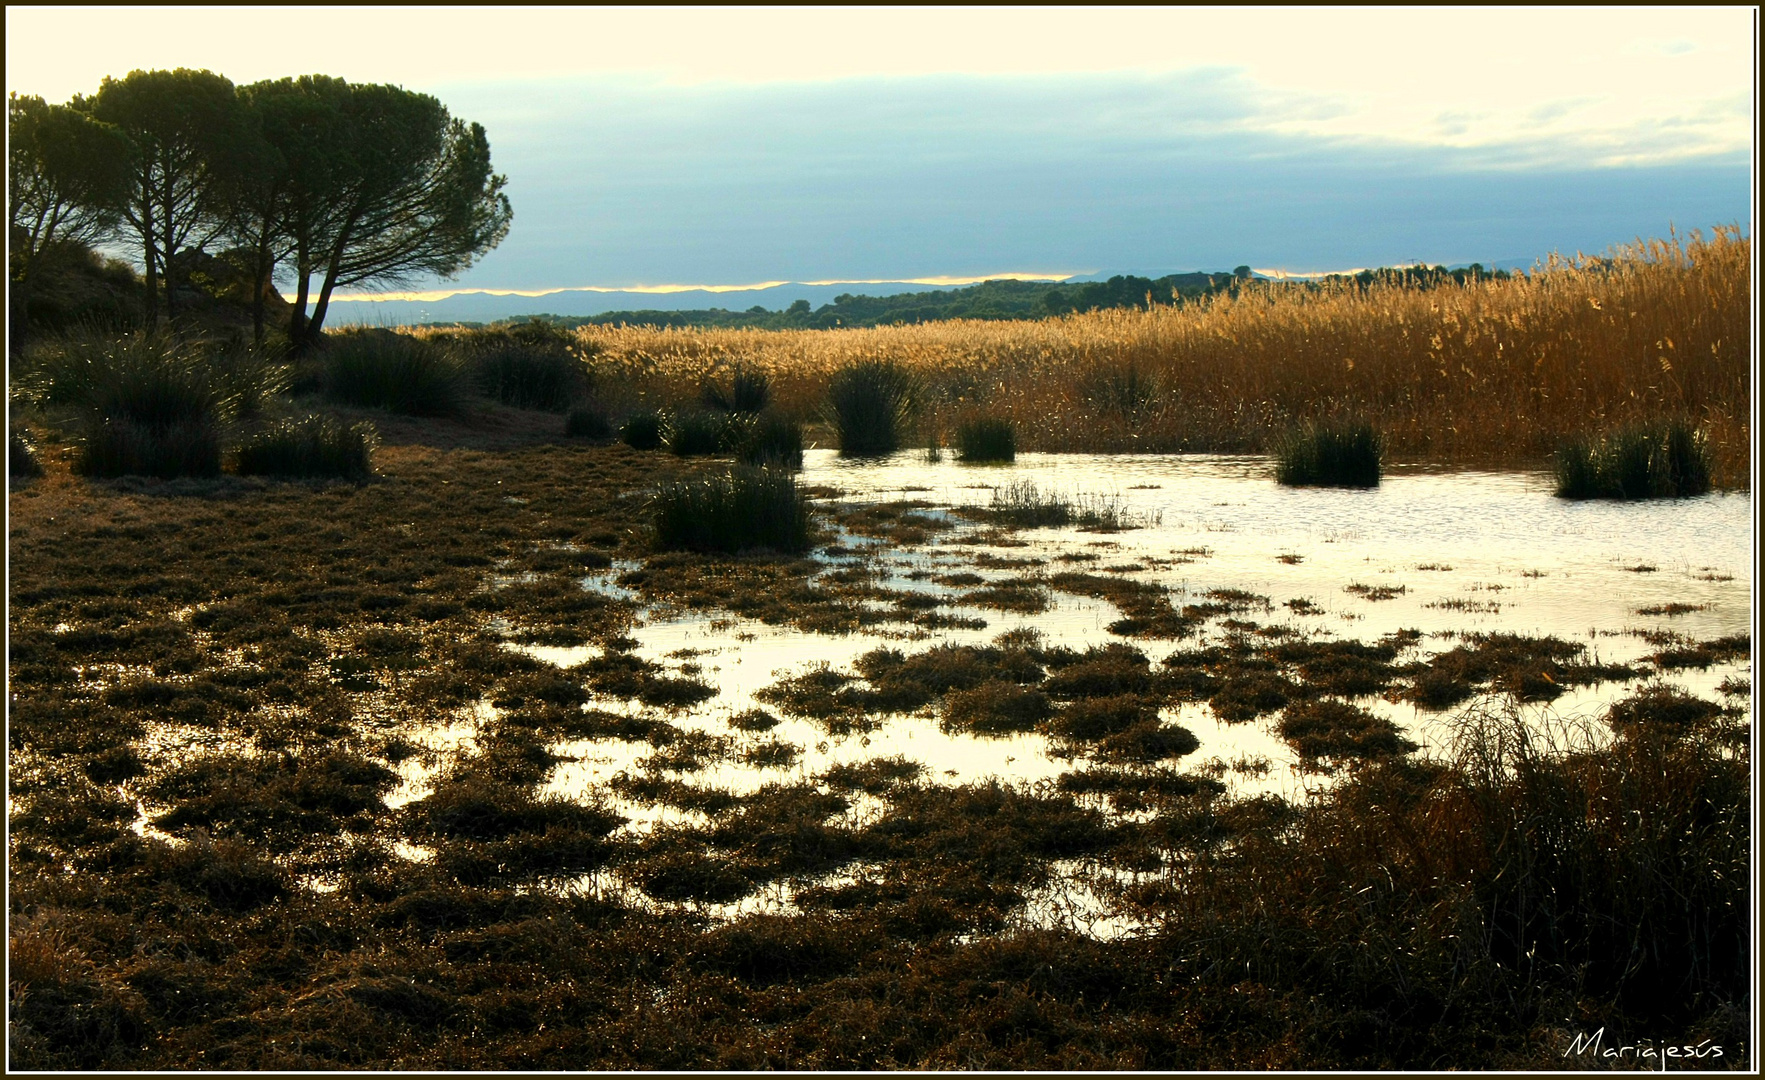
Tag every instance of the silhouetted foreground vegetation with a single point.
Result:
(1330, 453)
(1656, 460)
(252, 663)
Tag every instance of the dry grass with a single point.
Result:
(1489, 372)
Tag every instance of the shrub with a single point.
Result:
(21, 456)
(153, 402)
(113, 446)
(312, 446)
(1330, 454)
(773, 440)
(869, 405)
(749, 392)
(986, 439)
(380, 369)
(541, 374)
(587, 420)
(643, 430)
(1659, 460)
(748, 508)
(696, 433)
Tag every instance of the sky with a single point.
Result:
(664, 147)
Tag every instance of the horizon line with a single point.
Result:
(431, 295)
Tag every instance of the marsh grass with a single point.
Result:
(698, 433)
(1341, 453)
(871, 404)
(750, 391)
(772, 440)
(314, 446)
(379, 369)
(1022, 505)
(644, 430)
(530, 378)
(21, 455)
(149, 403)
(1496, 371)
(588, 420)
(1662, 459)
(986, 439)
(746, 509)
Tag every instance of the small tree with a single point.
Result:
(66, 180)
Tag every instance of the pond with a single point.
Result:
(1445, 555)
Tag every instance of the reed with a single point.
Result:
(379, 369)
(746, 509)
(314, 446)
(1654, 460)
(1490, 371)
(1329, 454)
(986, 438)
(870, 404)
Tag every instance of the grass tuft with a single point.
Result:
(587, 420)
(986, 438)
(750, 391)
(21, 456)
(1330, 454)
(749, 508)
(313, 446)
(1664, 459)
(643, 430)
(870, 404)
(379, 369)
(773, 440)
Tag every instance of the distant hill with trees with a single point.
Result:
(1008, 299)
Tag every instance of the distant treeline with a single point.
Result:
(1006, 299)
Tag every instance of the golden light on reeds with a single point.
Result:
(1490, 371)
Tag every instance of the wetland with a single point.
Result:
(453, 769)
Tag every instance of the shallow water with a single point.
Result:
(1451, 552)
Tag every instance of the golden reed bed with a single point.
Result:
(1490, 372)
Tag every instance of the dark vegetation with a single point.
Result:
(1662, 460)
(984, 439)
(870, 405)
(314, 446)
(747, 508)
(1331, 453)
(293, 178)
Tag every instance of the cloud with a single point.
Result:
(621, 180)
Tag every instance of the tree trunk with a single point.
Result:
(331, 272)
(297, 339)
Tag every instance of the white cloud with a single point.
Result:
(1342, 72)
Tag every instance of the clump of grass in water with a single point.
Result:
(869, 405)
(380, 369)
(749, 508)
(1021, 504)
(1330, 454)
(695, 434)
(1659, 460)
(772, 440)
(310, 447)
(986, 439)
